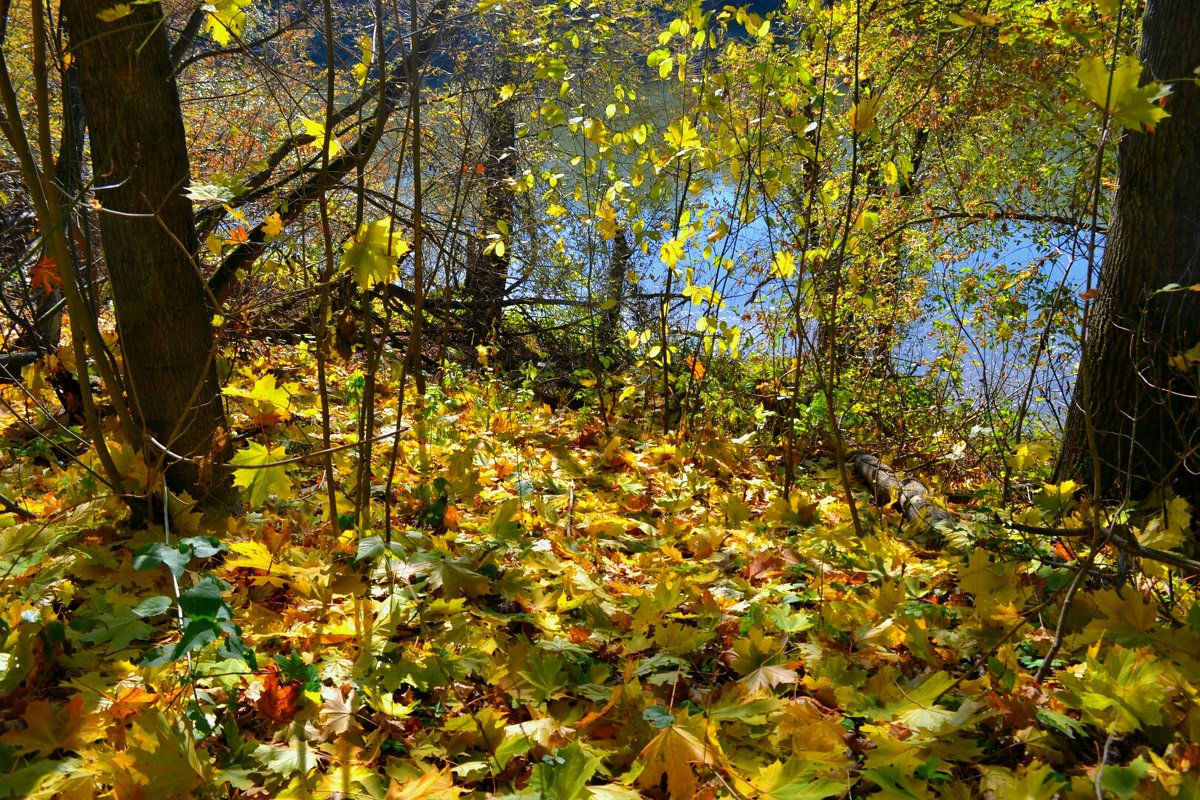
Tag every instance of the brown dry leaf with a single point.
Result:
(276, 700)
(673, 752)
(337, 712)
(433, 785)
(49, 728)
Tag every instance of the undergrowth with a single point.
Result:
(560, 606)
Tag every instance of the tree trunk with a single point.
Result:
(487, 276)
(140, 169)
(619, 263)
(1140, 397)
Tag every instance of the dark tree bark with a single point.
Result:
(487, 275)
(140, 168)
(1141, 409)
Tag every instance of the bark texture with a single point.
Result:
(487, 275)
(909, 494)
(140, 168)
(1143, 408)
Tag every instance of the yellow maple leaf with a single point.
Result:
(269, 404)
(115, 13)
(226, 19)
(273, 224)
(371, 254)
(317, 131)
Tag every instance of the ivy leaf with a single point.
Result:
(175, 558)
(198, 633)
(371, 255)
(205, 600)
(261, 480)
(152, 606)
(1128, 103)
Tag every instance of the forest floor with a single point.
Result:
(561, 608)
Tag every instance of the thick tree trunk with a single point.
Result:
(1143, 411)
(140, 169)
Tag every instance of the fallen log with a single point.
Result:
(909, 494)
(11, 364)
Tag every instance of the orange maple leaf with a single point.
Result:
(49, 728)
(277, 701)
(129, 702)
(44, 274)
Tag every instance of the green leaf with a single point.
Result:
(197, 634)
(794, 781)
(205, 600)
(564, 774)
(1124, 781)
(156, 554)
(152, 606)
(659, 717)
(546, 672)
(118, 630)
(259, 479)
(372, 254)
(204, 546)
(1128, 103)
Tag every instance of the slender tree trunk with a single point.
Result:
(487, 276)
(618, 268)
(1135, 391)
(140, 169)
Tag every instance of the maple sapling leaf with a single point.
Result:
(1120, 94)
(316, 131)
(226, 19)
(371, 255)
(271, 404)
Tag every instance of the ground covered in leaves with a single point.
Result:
(564, 609)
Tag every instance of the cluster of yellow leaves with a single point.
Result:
(565, 611)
